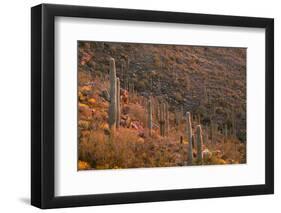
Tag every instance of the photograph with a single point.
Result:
(133, 105)
(146, 105)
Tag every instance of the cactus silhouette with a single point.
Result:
(199, 143)
(131, 89)
(123, 73)
(149, 118)
(113, 99)
(205, 138)
(167, 119)
(189, 137)
(162, 119)
(213, 130)
(181, 140)
(118, 103)
(176, 119)
(234, 125)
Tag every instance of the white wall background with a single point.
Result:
(15, 105)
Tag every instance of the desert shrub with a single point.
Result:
(178, 96)
(219, 110)
(179, 60)
(128, 150)
(157, 60)
(83, 77)
(82, 165)
(136, 112)
(215, 161)
(103, 153)
(242, 136)
(83, 124)
(142, 85)
(201, 111)
(90, 147)
(233, 151)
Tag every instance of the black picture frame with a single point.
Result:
(43, 105)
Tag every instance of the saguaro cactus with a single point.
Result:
(151, 85)
(162, 119)
(181, 114)
(149, 116)
(113, 99)
(122, 74)
(189, 136)
(156, 109)
(118, 103)
(126, 82)
(181, 140)
(205, 138)
(199, 143)
(213, 131)
(131, 89)
(178, 119)
(167, 118)
(233, 124)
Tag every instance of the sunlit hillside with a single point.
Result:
(143, 105)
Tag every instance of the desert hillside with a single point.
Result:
(207, 82)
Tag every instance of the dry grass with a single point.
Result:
(128, 150)
(136, 112)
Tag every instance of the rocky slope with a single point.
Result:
(208, 81)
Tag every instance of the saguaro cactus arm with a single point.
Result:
(199, 143)
(189, 136)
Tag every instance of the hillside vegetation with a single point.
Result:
(160, 87)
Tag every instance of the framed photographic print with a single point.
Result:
(139, 106)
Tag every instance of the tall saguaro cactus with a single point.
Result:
(199, 143)
(151, 85)
(156, 109)
(131, 89)
(162, 119)
(233, 124)
(167, 119)
(213, 131)
(118, 113)
(149, 118)
(205, 138)
(189, 136)
(177, 119)
(122, 73)
(113, 99)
